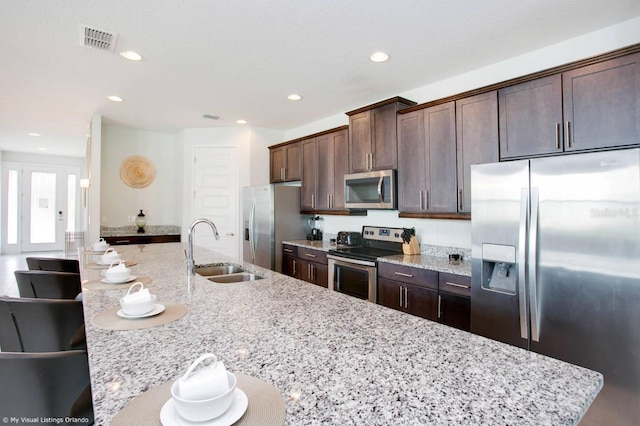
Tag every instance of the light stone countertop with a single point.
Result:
(438, 263)
(334, 358)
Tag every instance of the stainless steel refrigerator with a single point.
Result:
(556, 266)
(270, 214)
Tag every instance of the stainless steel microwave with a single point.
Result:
(371, 190)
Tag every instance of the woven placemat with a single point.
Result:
(109, 319)
(96, 265)
(99, 285)
(266, 405)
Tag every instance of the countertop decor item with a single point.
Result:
(141, 221)
(410, 241)
(137, 171)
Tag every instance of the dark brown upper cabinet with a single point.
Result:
(373, 136)
(427, 160)
(285, 162)
(324, 164)
(590, 107)
(477, 140)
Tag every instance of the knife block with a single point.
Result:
(412, 247)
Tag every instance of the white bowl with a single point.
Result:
(117, 275)
(109, 257)
(205, 409)
(138, 308)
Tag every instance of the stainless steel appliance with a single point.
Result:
(371, 190)
(349, 239)
(353, 269)
(270, 215)
(556, 266)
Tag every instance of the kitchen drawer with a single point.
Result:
(312, 255)
(408, 274)
(290, 250)
(455, 284)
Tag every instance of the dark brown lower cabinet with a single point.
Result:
(413, 299)
(454, 311)
(305, 264)
(142, 239)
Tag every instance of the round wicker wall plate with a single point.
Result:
(137, 172)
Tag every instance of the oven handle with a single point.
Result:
(350, 262)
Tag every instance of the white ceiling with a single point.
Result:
(241, 58)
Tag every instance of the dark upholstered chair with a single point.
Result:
(41, 325)
(46, 384)
(53, 264)
(48, 285)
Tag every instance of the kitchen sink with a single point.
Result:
(235, 278)
(211, 271)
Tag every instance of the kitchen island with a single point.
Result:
(335, 359)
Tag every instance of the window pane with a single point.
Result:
(43, 208)
(71, 202)
(12, 207)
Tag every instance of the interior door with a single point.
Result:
(215, 197)
(44, 208)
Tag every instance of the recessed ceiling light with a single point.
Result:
(131, 55)
(115, 98)
(379, 57)
(34, 134)
(294, 97)
(241, 121)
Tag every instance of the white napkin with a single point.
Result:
(141, 295)
(208, 382)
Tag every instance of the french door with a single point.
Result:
(41, 203)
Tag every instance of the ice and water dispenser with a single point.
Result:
(499, 268)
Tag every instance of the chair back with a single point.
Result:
(48, 284)
(53, 264)
(37, 385)
(39, 325)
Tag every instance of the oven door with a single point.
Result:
(357, 278)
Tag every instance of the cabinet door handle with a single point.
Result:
(282, 173)
(400, 295)
(402, 274)
(456, 285)
(312, 272)
(420, 193)
(567, 125)
(427, 199)
(313, 201)
(459, 199)
(439, 306)
(295, 264)
(557, 135)
(310, 255)
(406, 297)
(328, 201)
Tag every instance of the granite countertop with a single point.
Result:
(432, 258)
(334, 358)
(131, 230)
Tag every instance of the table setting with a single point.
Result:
(206, 395)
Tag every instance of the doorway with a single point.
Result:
(40, 204)
(215, 197)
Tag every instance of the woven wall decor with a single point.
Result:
(137, 172)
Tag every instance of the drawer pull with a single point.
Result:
(402, 274)
(456, 285)
(310, 255)
(123, 241)
(288, 250)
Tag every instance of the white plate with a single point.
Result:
(128, 280)
(157, 309)
(169, 415)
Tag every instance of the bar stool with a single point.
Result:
(48, 284)
(53, 264)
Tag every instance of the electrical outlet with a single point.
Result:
(131, 219)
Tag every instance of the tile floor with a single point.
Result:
(16, 262)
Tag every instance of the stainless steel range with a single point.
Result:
(353, 270)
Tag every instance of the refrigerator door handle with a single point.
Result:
(252, 217)
(533, 279)
(522, 258)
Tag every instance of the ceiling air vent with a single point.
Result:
(97, 39)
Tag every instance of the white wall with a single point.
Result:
(158, 200)
(259, 163)
(458, 233)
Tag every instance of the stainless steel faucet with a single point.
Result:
(191, 265)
